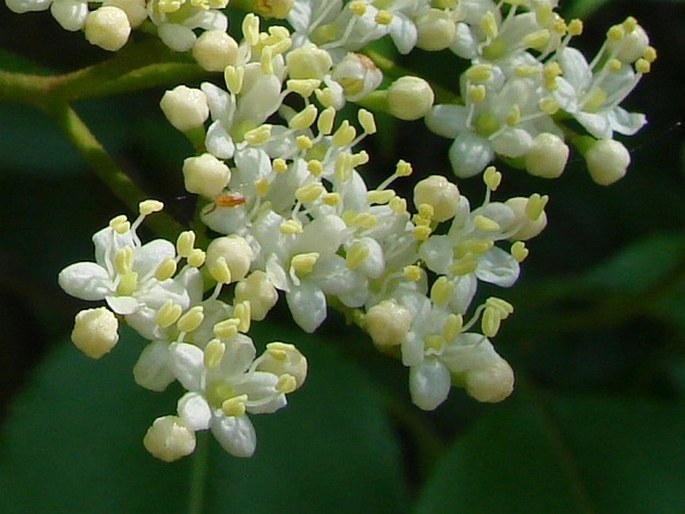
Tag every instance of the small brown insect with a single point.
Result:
(226, 200)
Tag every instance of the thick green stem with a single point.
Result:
(198, 474)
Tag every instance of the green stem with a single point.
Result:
(198, 473)
(107, 169)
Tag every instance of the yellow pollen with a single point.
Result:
(315, 167)
(279, 165)
(403, 168)
(304, 142)
(310, 193)
(214, 352)
(384, 17)
(485, 224)
(535, 206)
(168, 314)
(147, 207)
(303, 263)
(220, 271)
(452, 327)
(519, 251)
(166, 269)
(185, 243)
(191, 319)
(120, 224)
(286, 384)
(356, 255)
(492, 178)
(227, 328)
(290, 227)
(234, 407)
(441, 292)
(412, 273)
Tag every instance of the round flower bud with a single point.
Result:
(135, 10)
(185, 108)
(205, 175)
(308, 62)
(547, 156)
(357, 75)
(169, 439)
(276, 9)
(259, 291)
(387, 323)
(439, 193)
(607, 161)
(410, 98)
(70, 14)
(95, 332)
(235, 250)
(631, 46)
(436, 30)
(107, 27)
(214, 50)
(528, 228)
(281, 358)
(491, 384)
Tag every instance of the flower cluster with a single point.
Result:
(278, 176)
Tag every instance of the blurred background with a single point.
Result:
(597, 421)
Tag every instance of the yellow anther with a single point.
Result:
(315, 167)
(380, 197)
(344, 135)
(486, 224)
(490, 323)
(234, 79)
(519, 251)
(642, 66)
(304, 142)
(575, 27)
(168, 314)
(332, 199)
(303, 87)
(281, 46)
(543, 13)
(279, 351)
(514, 116)
(452, 327)
(325, 121)
(214, 352)
(502, 306)
(185, 243)
(474, 246)
(261, 187)
(250, 29)
(169, 6)
(464, 266)
(120, 224)
(649, 54)
(191, 319)
(441, 292)
(279, 165)
(356, 255)
(166, 269)
(196, 258)
(326, 97)
(259, 135)
(403, 168)
(412, 273)
(420, 221)
(123, 260)
(526, 71)
(535, 206)
(359, 219)
(384, 17)
(398, 205)
(422, 233)
(343, 167)
(548, 105)
(477, 93)
(147, 207)
(559, 25)
(479, 72)
(614, 65)
(492, 178)
(226, 329)
(433, 342)
(310, 193)
(303, 263)
(488, 24)
(426, 211)
(360, 158)
(290, 227)
(537, 40)
(551, 70)
(128, 284)
(367, 121)
(629, 24)
(234, 407)
(304, 119)
(616, 33)
(220, 271)
(286, 383)
(242, 311)
(358, 7)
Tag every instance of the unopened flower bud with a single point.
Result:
(308, 62)
(259, 291)
(107, 27)
(205, 175)
(436, 30)
(214, 50)
(169, 439)
(410, 98)
(439, 193)
(277, 9)
(387, 323)
(95, 332)
(135, 10)
(235, 250)
(528, 228)
(185, 108)
(547, 156)
(70, 14)
(491, 384)
(607, 161)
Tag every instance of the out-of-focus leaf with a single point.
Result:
(73, 442)
(582, 8)
(566, 455)
(16, 63)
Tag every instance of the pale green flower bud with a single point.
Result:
(185, 108)
(387, 323)
(236, 252)
(107, 27)
(135, 10)
(308, 62)
(547, 156)
(607, 161)
(410, 98)
(491, 384)
(259, 291)
(95, 332)
(436, 30)
(439, 193)
(205, 175)
(70, 14)
(169, 439)
(214, 50)
(528, 228)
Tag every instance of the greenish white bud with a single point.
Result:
(259, 291)
(169, 439)
(547, 156)
(528, 228)
(235, 250)
(492, 383)
(439, 193)
(387, 323)
(95, 332)
(308, 62)
(205, 175)
(135, 10)
(410, 98)
(214, 50)
(70, 14)
(107, 27)
(436, 30)
(185, 108)
(607, 161)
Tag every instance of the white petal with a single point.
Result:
(194, 410)
(403, 33)
(447, 120)
(512, 143)
(149, 256)
(323, 235)
(238, 356)
(575, 68)
(123, 305)
(218, 142)
(498, 267)
(596, 124)
(624, 122)
(86, 281)
(236, 435)
(437, 252)
(187, 363)
(470, 154)
(429, 384)
(307, 305)
(177, 37)
(152, 370)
